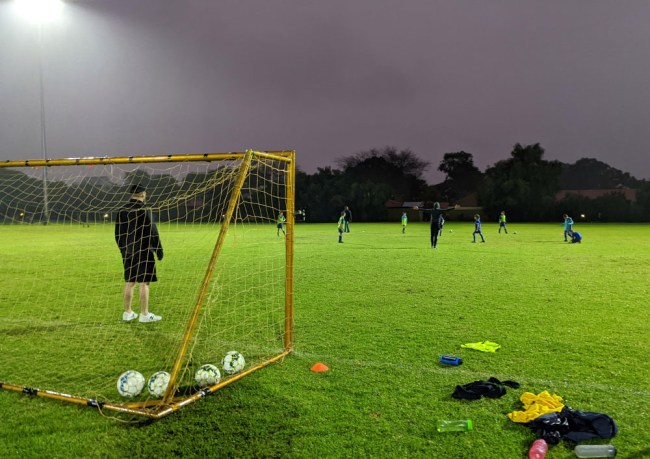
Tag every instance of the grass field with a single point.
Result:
(379, 310)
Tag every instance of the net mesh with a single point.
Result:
(61, 301)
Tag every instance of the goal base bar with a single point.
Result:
(150, 409)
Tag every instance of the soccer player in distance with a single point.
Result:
(137, 238)
(477, 228)
(568, 226)
(575, 237)
(341, 226)
(437, 220)
(281, 221)
(502, 222)
(405, 221)
(348, 218)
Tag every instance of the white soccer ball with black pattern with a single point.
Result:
(130, 383)
(207, 375)
(233, 362)
(158, 383)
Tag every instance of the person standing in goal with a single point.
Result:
(137, 238)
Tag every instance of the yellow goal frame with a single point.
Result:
(156, 409)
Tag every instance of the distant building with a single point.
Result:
(468, 207)
(394, 210)
(628, 193)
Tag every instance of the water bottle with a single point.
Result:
(538, 449)
(451, 359)
(595, 451)
(462, 425)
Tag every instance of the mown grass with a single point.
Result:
(379, 310)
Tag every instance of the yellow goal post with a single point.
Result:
(224, 287)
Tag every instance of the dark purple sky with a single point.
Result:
(332, 78)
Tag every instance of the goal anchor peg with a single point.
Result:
(319, 368)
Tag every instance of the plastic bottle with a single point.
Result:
(451, 359)
(538, 449)
(461, 425)
(595, 451)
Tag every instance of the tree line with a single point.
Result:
(525, 185)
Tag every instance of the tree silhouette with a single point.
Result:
(525, 185)
(462, 176)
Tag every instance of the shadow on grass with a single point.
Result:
(28, 330)
(241, 420)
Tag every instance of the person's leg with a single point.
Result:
(474, 236)
(144, 298)
(340, 236)
(482, 238)
(505, 228)
(145, 314)
(128, 296)
(435, 231)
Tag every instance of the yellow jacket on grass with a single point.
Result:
(536, 405)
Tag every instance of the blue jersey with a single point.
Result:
(477, 225)
(568, 224)
(576, 237)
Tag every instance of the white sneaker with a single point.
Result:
(151, 317)
(127, 316)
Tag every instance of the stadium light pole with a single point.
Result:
(40, 12)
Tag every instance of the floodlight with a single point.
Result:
(39, 11)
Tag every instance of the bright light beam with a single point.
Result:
(39, 11)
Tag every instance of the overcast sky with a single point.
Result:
(332, 78)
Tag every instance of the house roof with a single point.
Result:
(628, 193)
(392, 204)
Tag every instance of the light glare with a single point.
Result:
(39, 11)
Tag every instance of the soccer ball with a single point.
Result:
(130, 383)
(514, 232)
(158, 382)
(233, 362)
(207, 375)
(451, 231)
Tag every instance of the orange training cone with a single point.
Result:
(319, 367)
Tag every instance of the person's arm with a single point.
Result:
(120, 233)
(154, 237)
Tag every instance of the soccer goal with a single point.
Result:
(224, 289)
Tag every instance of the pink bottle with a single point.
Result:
(538, 449)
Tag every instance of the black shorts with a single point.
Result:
(140, 267)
